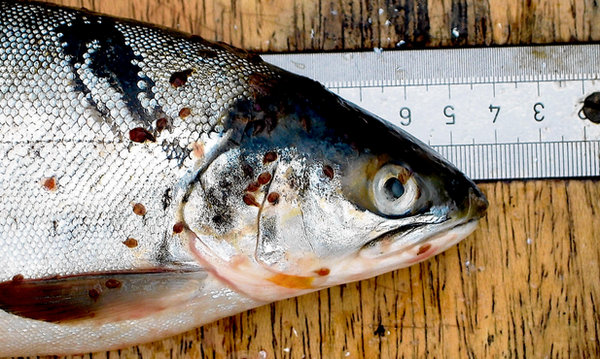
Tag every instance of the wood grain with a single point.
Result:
(525, 284)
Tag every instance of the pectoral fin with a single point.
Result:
(100, 296)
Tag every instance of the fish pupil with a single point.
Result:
(394, 188)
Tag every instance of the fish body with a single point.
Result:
(152, 181)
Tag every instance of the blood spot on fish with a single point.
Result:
(180, 78)
(18, 278)
(94, 293)
(49, 183)
(198, 149)
(131, 242)
(253, 187)
(328, 171)
(113, 283)
(178, 227)
(161, 124)
(424, 248)
(250, 200)
(139, 209)
(264, 178)
(270, 157)
(322, 271)
(273, 198)
(140, 134)
(185, 112)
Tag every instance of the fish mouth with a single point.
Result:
(406, 236)
(418, 233)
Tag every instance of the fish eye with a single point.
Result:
(394, 190)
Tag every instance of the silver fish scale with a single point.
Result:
(62, 118)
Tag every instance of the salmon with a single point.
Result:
(152, 181)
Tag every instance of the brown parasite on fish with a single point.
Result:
(190, 181)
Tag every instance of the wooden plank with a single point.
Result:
(525, 284)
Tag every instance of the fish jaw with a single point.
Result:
(259, 282)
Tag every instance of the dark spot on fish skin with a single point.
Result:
(270, 157)
(161, 124)
(248, 170)
(273, 198)
(162, 254)
(94, 294)
(113, 283)
(380, 331)
(141, 135)
(206, 53)
(264, 178)
(139, 209)
(225, 184)
(112, 59)
(253, 187)
(131, 242)
(185, 112)
(424, 248)
(322, 271)
(180, 78)
(166, 199)
(260, 84)
(18, 278)
(175, 151)
(250, 200)
(178, 227)
(328, 171)
(49, 183)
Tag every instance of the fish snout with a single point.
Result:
(477, 203)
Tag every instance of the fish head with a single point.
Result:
(313, 191)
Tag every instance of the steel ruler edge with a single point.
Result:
(496, 112)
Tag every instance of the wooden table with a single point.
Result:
(525, 284)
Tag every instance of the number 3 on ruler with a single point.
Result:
(448, 113)
(537, 108)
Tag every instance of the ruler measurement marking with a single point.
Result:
(443, 83)
(551, 159)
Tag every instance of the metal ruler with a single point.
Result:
(496, 113)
